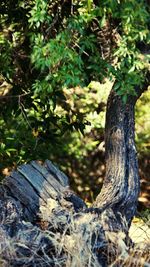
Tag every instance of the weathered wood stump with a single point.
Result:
(44, 223)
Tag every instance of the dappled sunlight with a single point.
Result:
(74, 90)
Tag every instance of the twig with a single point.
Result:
(14, 96)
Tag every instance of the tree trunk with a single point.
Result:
(121, 185)
(36, 198)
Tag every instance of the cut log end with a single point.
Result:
(34, 185)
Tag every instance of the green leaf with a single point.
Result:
(117, 86)
(89, 3)
(102, 21)
(124, 99)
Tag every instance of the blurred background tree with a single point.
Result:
(58, 62)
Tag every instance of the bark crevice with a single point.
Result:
(121, 185)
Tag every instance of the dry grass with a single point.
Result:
(78, 245)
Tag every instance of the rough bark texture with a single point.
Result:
(44, 223)
(33, 200)
(121, 185)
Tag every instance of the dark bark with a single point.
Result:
(33, 199)
(121, 185)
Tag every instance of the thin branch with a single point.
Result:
(14, 96)
(144, 87)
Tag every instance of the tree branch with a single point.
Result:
(14, 96)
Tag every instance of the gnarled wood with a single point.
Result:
(36, 198)
(32, 198)
(121, 185)
(33, 185)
